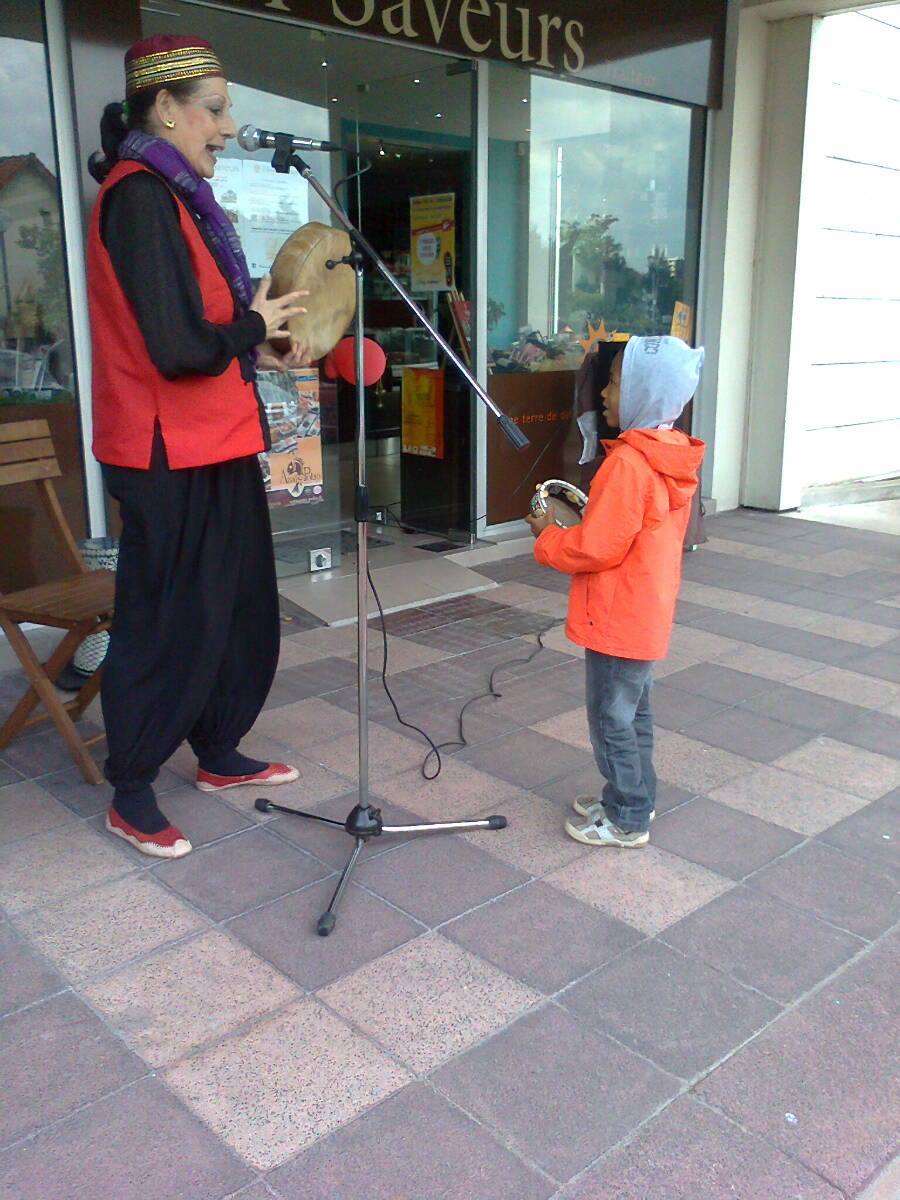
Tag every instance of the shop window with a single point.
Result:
(593, 228)
(36, 362)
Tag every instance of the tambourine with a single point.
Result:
(331, 303)
(562, 502)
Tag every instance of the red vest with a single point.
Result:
(203, 418)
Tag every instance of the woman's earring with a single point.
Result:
(169, 124)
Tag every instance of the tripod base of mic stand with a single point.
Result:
(364, 823)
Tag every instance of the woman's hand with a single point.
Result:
(270, 359)
(538, 523)
(276, 312)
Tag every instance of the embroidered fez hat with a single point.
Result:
(168, 58)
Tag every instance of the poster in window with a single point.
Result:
(682, 322)
(265, 207)
(422, 423)
(432, 224)
(292, 469)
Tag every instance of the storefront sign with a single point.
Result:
(566, 36)
(292, 469)
(433, 242)
(423, 412)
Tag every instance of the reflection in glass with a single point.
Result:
(590, 217)
(36, 363)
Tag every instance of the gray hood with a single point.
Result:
(659, 377)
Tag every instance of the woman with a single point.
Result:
(177, 426)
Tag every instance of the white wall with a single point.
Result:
(850, 427)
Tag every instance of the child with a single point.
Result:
(625, 563)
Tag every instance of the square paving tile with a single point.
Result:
(832, 1065)
(108, 925)
(412, 1144)
(436, 878)
(786, 799)
(872, 833)
(138, 1143)
(542, 936)
(49, 866)
(881, 664)
(875, 731)
(570, 727)
(804, 709)
(306, 724)
(721, 838)
(240, 872)
(534, 840)
(694, 765)
(291, 1079)
(842, 890)
(389, 755)
(862, 690)
(182, 997)
(647, 888)
(676, 709)
(551, 1099)
(429, 1000)
(692, 1152)
(743, 732)
(770, 664)
(24, 976)
(55, 1057)
(284, 933)
(26, 809)
(689, 1015)
(457, 794)
(841, 766)
(37, 754)
(526, 758)
(763, 943)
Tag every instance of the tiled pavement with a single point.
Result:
(501, 1016)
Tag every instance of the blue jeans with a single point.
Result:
(621, 727)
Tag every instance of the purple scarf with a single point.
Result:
(171, 164)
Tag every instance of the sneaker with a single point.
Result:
(587, 806)
(606, 834)
(168, 843)
(272, 774)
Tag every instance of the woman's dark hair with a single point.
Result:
(114, 125)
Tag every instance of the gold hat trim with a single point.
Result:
(170, 66)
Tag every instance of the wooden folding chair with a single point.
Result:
(81, 604)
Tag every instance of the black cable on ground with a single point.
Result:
(436, 748)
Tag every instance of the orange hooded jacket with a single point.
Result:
(625, 555)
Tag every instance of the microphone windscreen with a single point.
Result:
(374, 360)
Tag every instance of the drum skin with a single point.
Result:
(562, 502)
(331, 303)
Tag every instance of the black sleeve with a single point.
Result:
(140, 229)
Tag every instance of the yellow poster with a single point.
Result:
(433, 241)
(422, 423)
(682, 322)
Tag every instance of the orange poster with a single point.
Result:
(423, 412)
(682, 322)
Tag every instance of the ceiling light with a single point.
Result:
(417, 81)
(524, 99)
(396, 154)
(381, 148)
(323, 63)
(439, 115)
(334, 99)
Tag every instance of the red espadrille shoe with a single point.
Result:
(168, 843)
(272, 774)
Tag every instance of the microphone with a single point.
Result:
(251, 138)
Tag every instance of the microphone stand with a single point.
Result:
(364, 821)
